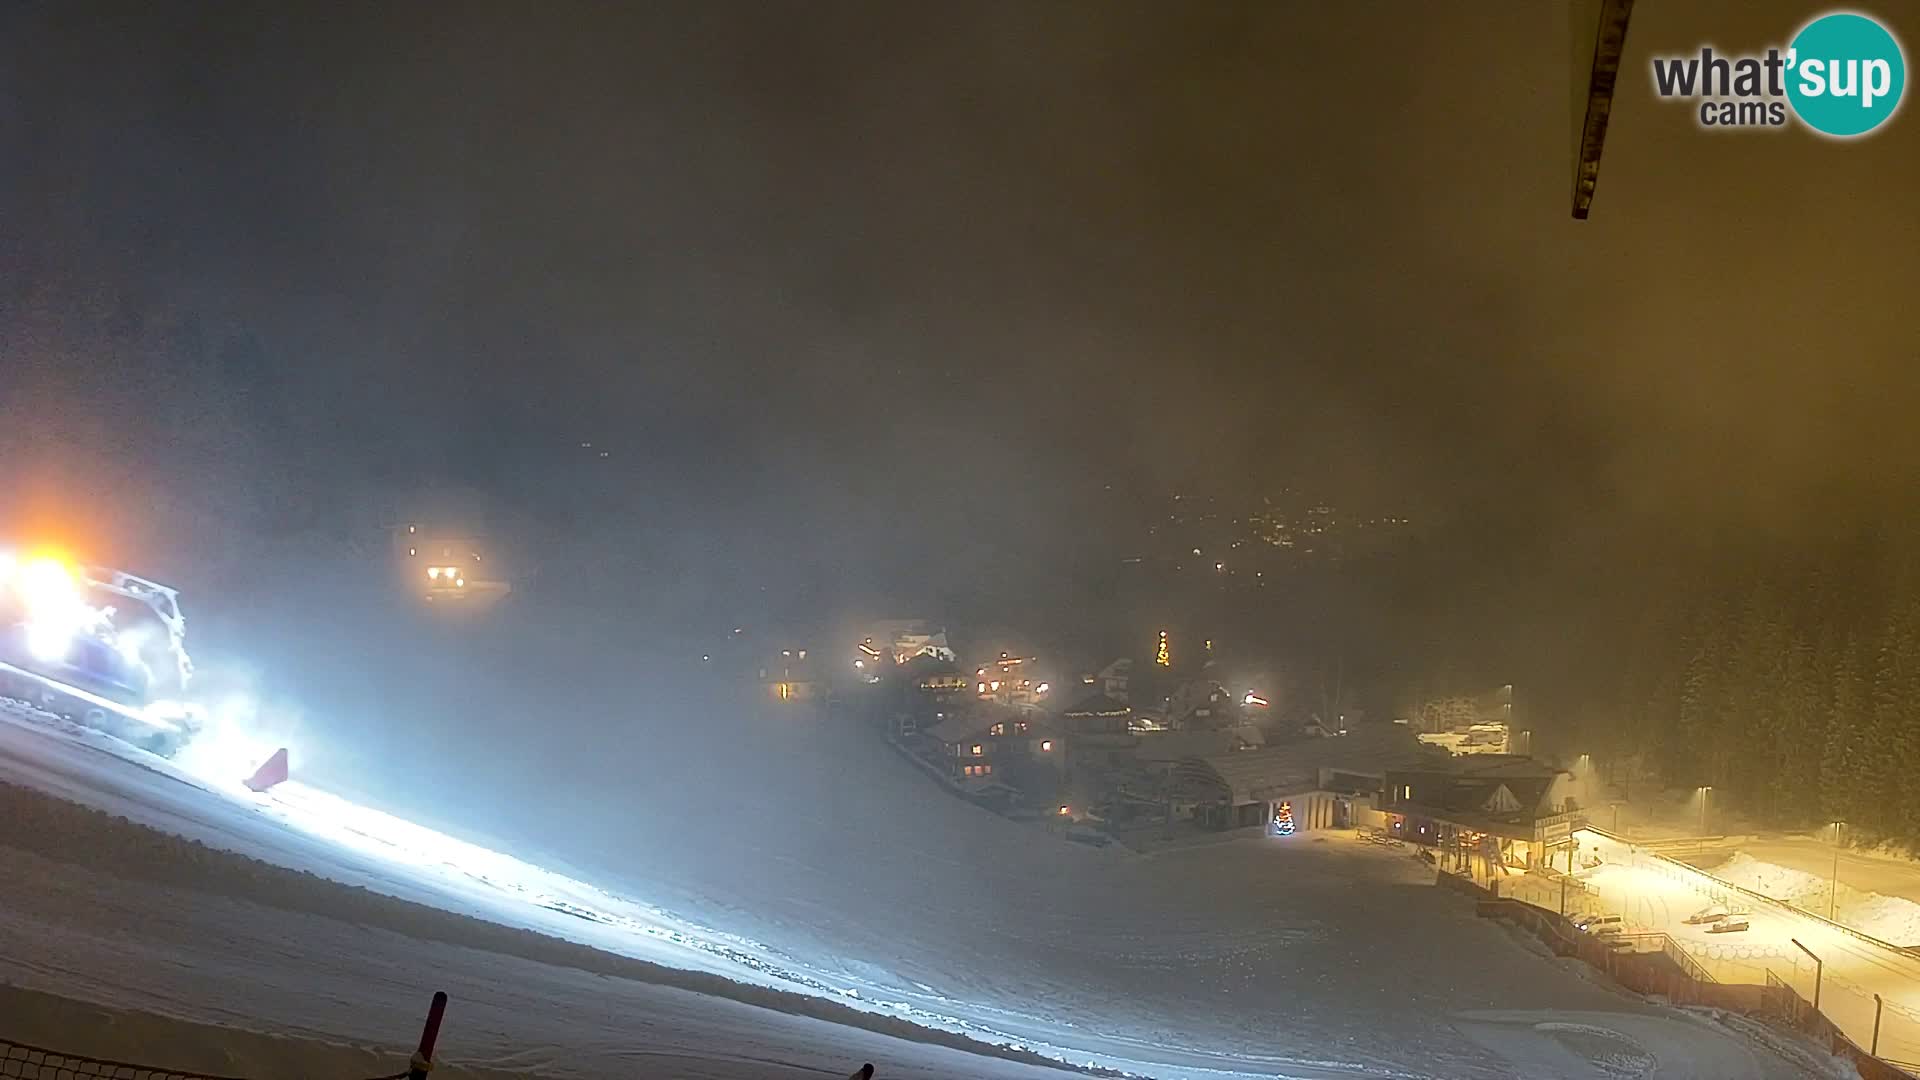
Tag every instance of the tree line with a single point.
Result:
(1788, 682)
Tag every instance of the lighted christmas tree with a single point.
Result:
(1161, 657)
(1283, 820)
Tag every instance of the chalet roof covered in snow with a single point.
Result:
(960, 727)
(1097, 705)
(1500, 786)
(1162, 747)
(1251, 776)
(1294, 767)
(928, 664)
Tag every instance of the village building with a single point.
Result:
(791, 677)
(927, 690)
(1310, 783)
(1485, 811)
(964, 748)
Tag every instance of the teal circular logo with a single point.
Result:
(1845, 74)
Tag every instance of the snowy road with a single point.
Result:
(1302, 959)
(1657, 894)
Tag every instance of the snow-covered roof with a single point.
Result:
(928, 664)
(1507, 767)
(1250, 776)
(1294, 767)
(1509, 786)
(1097, 705)
(961, 727)
(1176, 745)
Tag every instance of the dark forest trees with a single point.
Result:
(1789, 681)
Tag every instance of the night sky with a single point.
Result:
(881, 263)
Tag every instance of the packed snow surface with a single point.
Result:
(901, 914)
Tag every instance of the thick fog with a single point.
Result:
(899, 312)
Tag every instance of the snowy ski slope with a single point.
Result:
(1297, 959)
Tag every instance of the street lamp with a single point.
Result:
(1706, 794)
(1833, 883)
(1818, 968)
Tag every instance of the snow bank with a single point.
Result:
(1890, 918)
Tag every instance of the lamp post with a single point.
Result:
(1833, 883)
(1818, 969)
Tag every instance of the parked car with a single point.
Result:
(1707, 915)
(1602, 924)
(1729, 925)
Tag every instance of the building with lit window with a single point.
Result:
(1098, 715)
(908, 639)
(1497, 809)
(1024, 736)
(792, 677)
(1201, 705)
(1011, 681)
(965, 747)
(926, 691)
(448, 568)
(1322, 782)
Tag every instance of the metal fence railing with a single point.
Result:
(21, 1061)
(18, 1061)
(1726, 892)
(1884, 1055)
